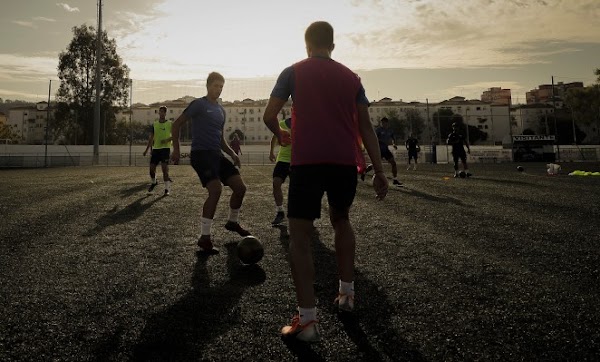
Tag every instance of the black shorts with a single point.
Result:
(160, 155)
(413, 154)
(212, 165)
(308, 183)
(386, 154)
(459, 155)
(281, 170)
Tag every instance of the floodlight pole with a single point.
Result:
(96, 133)
(130, 115)
(47, 125)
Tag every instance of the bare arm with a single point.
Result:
(380, 183)
(150, 142)
(272, 149)
(175, 128)
(270, 116)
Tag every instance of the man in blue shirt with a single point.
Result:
(207, 159)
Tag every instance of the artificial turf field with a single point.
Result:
(500, 267)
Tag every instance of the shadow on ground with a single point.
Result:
(368, 327)
(182, 330)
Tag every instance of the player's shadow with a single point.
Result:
(133, 190)
(372, 316)
(185, 328)
(429, 197)
(123, 216)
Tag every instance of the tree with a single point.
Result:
(7, 133)
(415, 122)
(76, 94)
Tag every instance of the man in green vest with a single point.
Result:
(281, 170)
(160, 143)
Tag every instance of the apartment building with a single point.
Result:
(543, 94)
(497, 95)
(29, 123)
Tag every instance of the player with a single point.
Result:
(457, 141)
(160, 143)
(207, 159)
(236, 145)
(413, 148)
(281, 170)
(386, 137)
(330, 114)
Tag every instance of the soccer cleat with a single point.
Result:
(152, 186)
(469, 174)
(236, 227)
(306, 333)
(206, 245)
(167, 192)
(397, 183)
(278, 218)
(345, 302)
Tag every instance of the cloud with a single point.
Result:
(68, 8)
(473, 33)
(41, 18)
(27, 24)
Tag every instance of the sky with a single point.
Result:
(410, 50)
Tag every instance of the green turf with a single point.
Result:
(502, 266)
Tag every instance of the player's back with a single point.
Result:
(325, 127)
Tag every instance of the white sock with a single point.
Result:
(307, 315)
(168, 185)
(205, 225)
(346, 288)
(234, 215)
(279, 208)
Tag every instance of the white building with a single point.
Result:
(29, 123)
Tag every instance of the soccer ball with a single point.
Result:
(250, 250)
(462, 174)
(520, 168)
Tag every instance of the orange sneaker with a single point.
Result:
(308, 332)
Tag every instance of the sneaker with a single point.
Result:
(167, 192)
(236, 227)
(278, 218)
(206, 245)
(397, 183)
(306, 333)
(152, 186)
(344, 302)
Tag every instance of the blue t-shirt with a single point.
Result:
(208, 120)
(385, 136)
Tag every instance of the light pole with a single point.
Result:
(467, 123)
